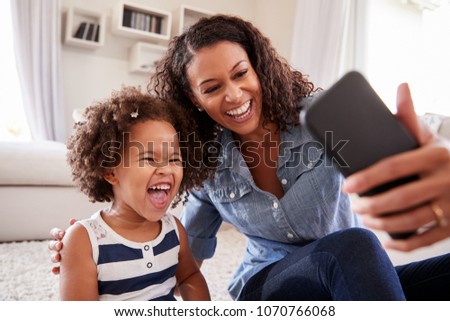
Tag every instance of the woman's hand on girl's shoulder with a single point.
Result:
(55, 245)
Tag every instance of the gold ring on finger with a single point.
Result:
(439, 213)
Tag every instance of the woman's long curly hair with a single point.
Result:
(282, 87)
(91, 149)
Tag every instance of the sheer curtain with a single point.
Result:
(329, 38)
(37, 46)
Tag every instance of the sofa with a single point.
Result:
(37, 192)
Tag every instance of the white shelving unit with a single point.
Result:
(142, 56)
(187, 16)
(85, 28)
(142, 22)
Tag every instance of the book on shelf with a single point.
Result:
(81, 31)
(156, 24)
(159, 25)
(139, 21)
(148, 21)
(97, 33)
(133, 20)
(142, 21)
(90, 33)
(126, 22)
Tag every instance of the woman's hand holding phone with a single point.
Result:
(416, 203)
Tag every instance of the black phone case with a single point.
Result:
(357, 129)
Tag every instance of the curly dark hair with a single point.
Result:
(106, 121)
(282, 86)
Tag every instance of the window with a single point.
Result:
(408, 41)
(13, 125)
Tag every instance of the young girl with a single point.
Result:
(128, 151)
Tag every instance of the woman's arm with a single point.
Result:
(414, 200)
(78, 271)
(191, 284)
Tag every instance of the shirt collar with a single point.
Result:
(229, 152)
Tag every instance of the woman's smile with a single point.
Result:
(241, 113)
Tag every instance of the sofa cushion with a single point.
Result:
(34, 163)
(439, 124)
(444, 129)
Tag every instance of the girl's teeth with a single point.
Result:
(162, 187)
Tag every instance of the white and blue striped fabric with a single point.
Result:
(131, 270)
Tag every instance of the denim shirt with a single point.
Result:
(313, 204)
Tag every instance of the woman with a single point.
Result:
(268, 178)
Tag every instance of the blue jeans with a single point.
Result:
(348, 265)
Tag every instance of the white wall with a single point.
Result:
(276, 20)
(407, 44)
(393, 39)
(91, 74)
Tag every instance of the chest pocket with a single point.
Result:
(304, 158)
(236, 203)
(230, 194)
(315, 181)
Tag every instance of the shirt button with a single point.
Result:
(149, 265)
(275, 204)
(146, 247)
(232, 195)
(290, 235)
(284, 181)
(310, 165)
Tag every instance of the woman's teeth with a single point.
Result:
(240, 112)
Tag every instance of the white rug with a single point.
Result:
(25, 270)
(25, 266)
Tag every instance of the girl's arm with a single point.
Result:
(78, 271)
(190, 282)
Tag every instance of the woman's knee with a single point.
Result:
(355, 242)
(360, 235)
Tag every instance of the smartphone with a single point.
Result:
(357, 129)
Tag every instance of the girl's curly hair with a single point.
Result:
(106, 121)
(282, 87)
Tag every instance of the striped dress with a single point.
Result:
(129, 270)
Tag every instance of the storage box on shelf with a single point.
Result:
(85, 28)
(186, 16)
(142, 56)
(145, 23)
